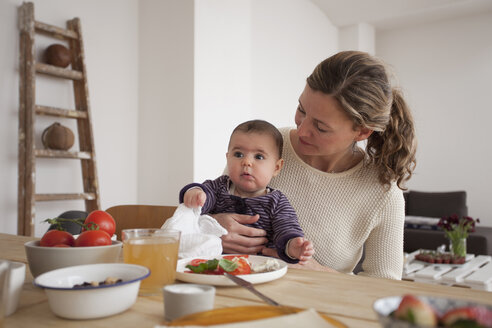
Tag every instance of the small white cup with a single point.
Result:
(12, 285)
(183, 299)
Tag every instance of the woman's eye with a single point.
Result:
(259, 156)
(301, 110)
(238, 154)
(320, 129)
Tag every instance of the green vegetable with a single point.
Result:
(210, 265)
(227, 265)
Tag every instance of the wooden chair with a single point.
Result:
(139, 216)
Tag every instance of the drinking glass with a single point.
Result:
(156, 249)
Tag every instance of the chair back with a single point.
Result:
(139, 216)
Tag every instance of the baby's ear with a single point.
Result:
(278, 167)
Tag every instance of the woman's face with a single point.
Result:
(323, 128)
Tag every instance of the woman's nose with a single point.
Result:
(302, 128)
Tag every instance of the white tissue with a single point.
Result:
(200, 234)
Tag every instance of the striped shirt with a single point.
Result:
(277, 216)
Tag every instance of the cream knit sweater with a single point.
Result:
(340, 212)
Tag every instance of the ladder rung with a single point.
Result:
(53, 111)
(55, 31)
(48, 197)
(50, 153)
(58, 71)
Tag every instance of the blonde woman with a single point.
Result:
(346, 197)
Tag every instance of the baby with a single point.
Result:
(254, 157)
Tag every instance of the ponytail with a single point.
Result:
(393, 150)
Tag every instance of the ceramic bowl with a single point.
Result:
(91, 302)
(385, 306)
(44, 259)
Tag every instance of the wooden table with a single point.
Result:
(346, 298)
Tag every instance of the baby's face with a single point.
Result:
(252, 161)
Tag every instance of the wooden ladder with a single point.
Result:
(28, 110)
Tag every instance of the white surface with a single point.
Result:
(43, 259)
(92, 302)
(13, 285)
(476, 273)
(217, 280)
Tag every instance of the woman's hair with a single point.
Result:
(260, 126)
(361, 84)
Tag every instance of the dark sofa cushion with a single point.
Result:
(435, 204)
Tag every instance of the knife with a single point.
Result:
(249, 286)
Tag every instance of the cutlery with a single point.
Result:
(249, 286)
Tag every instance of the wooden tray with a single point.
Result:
(241, 313)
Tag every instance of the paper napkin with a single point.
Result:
(200, 234)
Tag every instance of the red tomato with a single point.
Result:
(103, 219)
(195, 262)
(56, 237)
(61, 245)
(93, 238)
(232, 257)
(242, 267)
(242, 264)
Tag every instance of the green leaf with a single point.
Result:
(210, 265)
(227, 265)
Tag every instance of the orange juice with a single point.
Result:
(157, 252)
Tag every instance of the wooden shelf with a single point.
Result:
(55, 31)
(58, 72)
(50, 153)
(52, 197)
(60, 112)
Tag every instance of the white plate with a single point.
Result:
(217, 280)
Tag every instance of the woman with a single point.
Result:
(346, 198)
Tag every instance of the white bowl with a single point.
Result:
(92, 302)
(44, 259)
(385, 306)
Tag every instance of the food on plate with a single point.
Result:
(439, 258)
(97, 230)
(93, 238)
(56, 238)
(418, 312)
(101, 219)
(470, 316)
(266, 266)
(233, 264)
(415, 311)
(108, 281)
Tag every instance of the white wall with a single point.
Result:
(110, 37)
(252, 60)
(165, 139)
(445, 69)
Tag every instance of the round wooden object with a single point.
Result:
(58, 137)
(58, 55)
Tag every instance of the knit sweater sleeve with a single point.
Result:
(385, 259)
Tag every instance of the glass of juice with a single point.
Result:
(156, 249)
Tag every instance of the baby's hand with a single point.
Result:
(301, 248)
(194, 197)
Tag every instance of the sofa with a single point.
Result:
(436, 205)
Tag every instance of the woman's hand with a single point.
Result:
(310, 264)
(240, 238)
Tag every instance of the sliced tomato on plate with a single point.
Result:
(195, 262)
(242, 264)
